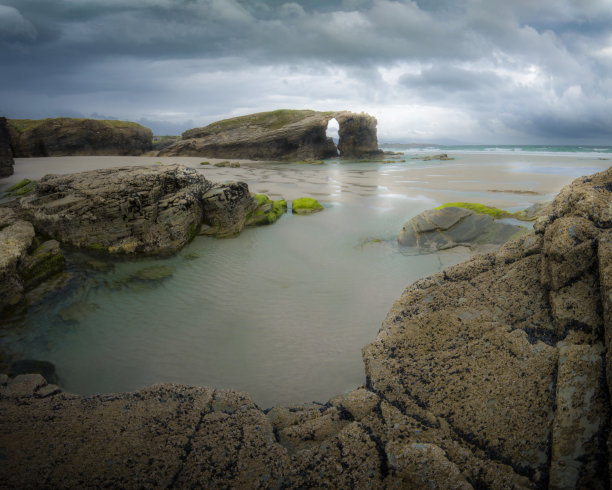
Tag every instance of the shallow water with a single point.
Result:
(280, 312)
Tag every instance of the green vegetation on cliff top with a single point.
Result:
(23, 125)
(265, 120)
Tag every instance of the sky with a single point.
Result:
(437, 71)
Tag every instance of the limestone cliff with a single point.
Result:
(6, 154)
(280, 135)
(494, 373)
(70, 136)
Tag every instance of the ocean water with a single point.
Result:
(503, 149)
(281, 311)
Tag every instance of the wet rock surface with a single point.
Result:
(69, 136)
(440, 229)
(280, 135)
(490, 374)
(6, 153)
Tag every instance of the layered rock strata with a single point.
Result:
(69, 136)
(494, 373)
(6, 154)
(25, 262)
(280, 135)
(144, 210)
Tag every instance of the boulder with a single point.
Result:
(6, 153)
(448, 227)
(70, 136)
(306, 205)
(133, 210)
(280, 135)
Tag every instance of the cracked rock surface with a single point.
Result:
(127, 210)
(494, 373)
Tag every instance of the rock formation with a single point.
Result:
(280, 135)
(24, 261)
(150, 210)
(6, 154)
(440, 229)
(494, 373)
(69, 136)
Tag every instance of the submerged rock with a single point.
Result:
(152, 273)
(6, 153)
(77, 312)
(440, 229)
(306, 205)
(31, 366)
(280, 135)
(69, 136)
(494, 373)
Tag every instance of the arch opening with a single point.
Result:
(332, 131)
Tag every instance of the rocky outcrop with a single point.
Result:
(145, 210)
(493, 373)
(69, 136)
(6, 154)
(24, 261)
(280, 135)
(440, 229)
(357, 136)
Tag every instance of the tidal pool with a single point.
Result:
(280, 312)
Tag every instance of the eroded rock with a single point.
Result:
(280, 135)
(440, 229)
(132, 210)
(69, 136)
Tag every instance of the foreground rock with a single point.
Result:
(6, 154)
(491, 374)
(148, 210)
(69, 136)
(440, 229)
(25, 262)
(280, 135)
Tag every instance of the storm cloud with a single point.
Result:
(468, 71)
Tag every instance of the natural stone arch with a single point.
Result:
(357, 134)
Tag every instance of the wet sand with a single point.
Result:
(496, 179)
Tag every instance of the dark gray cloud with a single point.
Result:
(495, 69)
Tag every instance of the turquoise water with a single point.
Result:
(280, 312)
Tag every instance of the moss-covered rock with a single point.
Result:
(21, 188)
(495, 213)
(267, 211)
(46, 261)
(306, 205)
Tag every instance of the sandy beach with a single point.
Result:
(502, 180)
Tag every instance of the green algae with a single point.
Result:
(267, 211)
(21, 188)
(496, 213)
(46, 265)
(204, 163)
(306, 205)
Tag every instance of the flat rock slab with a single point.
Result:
(439, 229)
